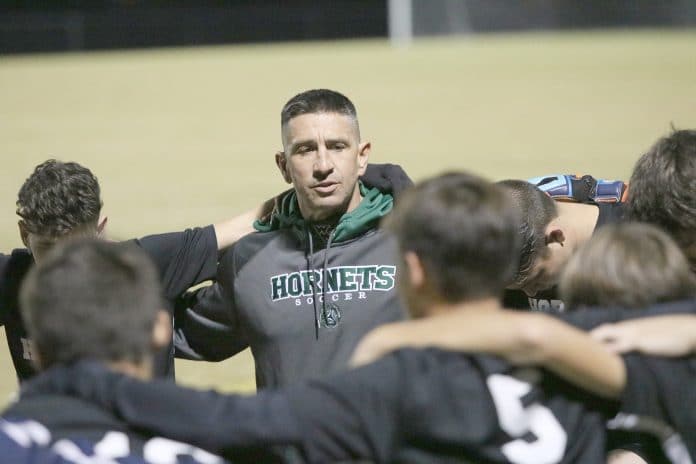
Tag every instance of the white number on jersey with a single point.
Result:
(517, 420)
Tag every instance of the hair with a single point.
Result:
(662, 189)
(58, 198)
(464, 230)
(537, 210)
(318, 101)
(630, 265)
(91, 299)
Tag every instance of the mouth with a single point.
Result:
(325, 188)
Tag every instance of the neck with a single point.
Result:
(483, 304)
(579, 221)
(142, 370)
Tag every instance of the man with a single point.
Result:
(319, 274)
(414, 406)
(552, 232)
(95, 300)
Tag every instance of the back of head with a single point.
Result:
(318, 101)
(662, 190)
(464, 230)
(91, 299)
(631, 265)
(537, 210)
(59, 198)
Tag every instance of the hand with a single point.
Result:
(660, 336)
(387, 178)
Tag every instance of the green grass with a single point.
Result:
(183, 137)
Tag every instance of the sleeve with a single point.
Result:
(351, 415)
(184, 259)
(206, 326)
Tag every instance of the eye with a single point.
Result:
(338, 146)
(302, 149)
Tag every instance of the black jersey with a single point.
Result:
(548, 300)
(72, 430)
(659, 392)
(183, 259)
(414, 406)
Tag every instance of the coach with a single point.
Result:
(319, 274)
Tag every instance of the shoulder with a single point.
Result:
(249, 246)
(13, 267)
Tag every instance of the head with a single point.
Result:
(457, 235)
(92, 299)
(631, 265)
(662, 190)
(542, 255)
(58, 200)
(323, 155)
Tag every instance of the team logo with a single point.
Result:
(347, 280)
(331, 315)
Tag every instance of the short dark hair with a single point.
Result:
(318, 101)
(91, 299)
(537, 210)
(662, 189)
(464, 230)
(631, 265)
(59, 197)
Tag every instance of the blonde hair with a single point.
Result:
(630, 265)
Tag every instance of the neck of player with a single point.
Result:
(140, 370)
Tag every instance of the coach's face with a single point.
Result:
(323, 157)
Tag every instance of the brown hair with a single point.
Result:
(629, 265)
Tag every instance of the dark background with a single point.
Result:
(51, 26)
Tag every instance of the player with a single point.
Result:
(61, 200)
(629, 265)
(413, 406)
(552, 231)
(95, 300)
(663, 189)
(320, 274)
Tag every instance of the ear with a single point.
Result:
(555, 235)
(162, 330)
(23, 233)
(364, 150)
(416, 272)
(282, 163)
(101, 225)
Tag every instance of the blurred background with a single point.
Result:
(175, 105)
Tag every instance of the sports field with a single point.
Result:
(183, 137)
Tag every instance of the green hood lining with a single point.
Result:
(371, 209)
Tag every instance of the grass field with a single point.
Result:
(184, 137)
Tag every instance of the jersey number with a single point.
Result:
(517, 420)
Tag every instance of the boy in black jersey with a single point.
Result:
(551, 232)
(413, 406)
(91, 299)
(62, 200)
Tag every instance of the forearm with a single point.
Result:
(231, 230)
(574, 356)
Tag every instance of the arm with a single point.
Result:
(206, 326)
(660, 335)
(521, 338)
(231, 230)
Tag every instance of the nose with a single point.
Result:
(323, 165)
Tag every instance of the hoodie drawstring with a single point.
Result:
(310, 265)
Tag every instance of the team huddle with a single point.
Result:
(541, 321)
